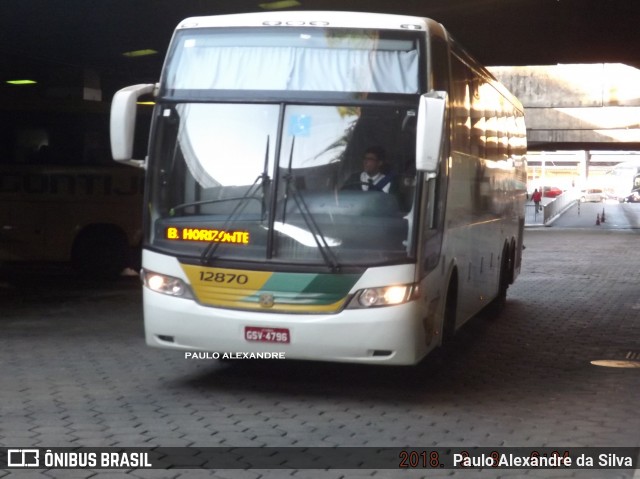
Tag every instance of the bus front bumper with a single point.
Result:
(393, 335)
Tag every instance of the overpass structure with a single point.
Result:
(578, 106)
(582, 120)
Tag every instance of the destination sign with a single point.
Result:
(207, 235)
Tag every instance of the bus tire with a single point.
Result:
(495, 307)
(100, 251)
(450, 310)
(512, 262)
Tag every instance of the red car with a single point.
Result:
(551, 191)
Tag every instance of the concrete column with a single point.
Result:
(585, 166)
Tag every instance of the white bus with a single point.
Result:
(254, 239)
(619, 182)
(634, 196)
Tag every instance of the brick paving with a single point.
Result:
(76, 372)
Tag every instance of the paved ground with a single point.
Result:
(585, 215)
(625, 216)
(75, 372)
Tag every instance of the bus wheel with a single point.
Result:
(497, 305)
(450, 310)
(100, 252)
(512, 264)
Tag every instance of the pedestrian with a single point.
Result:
(536, 197)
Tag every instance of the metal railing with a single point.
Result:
(551, 210)
(533, 216)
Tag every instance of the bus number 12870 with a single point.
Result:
(223, 277)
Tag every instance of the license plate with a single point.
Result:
(267, 335)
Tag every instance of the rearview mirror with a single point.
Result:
(123, 120)
(430, 130)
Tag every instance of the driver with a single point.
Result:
(371, 178)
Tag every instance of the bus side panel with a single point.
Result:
(486, 185)
(44, 208)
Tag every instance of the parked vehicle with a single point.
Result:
(62, 199)
(592, 195)
(633, 197)
(551, 191)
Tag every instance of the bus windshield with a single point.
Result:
(294, 59)
(309, 184)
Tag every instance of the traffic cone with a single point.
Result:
(602, 215)
(598, 219)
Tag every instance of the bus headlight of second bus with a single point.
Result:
(161, 283)
(385, 296)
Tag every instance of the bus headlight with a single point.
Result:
(161, 283)
(386, 296)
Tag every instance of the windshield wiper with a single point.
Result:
(263, 181)
(182, 206)
(320, 239)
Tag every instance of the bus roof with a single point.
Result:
(312, 18)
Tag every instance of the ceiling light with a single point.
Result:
(140, 53)
(21, 82)
(279, 4)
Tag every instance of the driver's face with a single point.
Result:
(371, 164)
